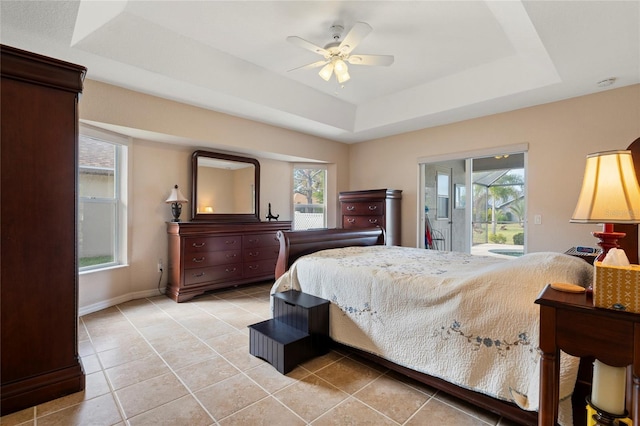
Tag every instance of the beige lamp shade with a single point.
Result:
(610, 191)
(176, 196)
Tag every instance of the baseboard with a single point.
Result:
(103, 304)
(35, 390)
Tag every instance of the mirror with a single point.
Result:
(224, 187)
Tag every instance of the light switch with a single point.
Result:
(537, 219)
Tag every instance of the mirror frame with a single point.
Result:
(223, 217)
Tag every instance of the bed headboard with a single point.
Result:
(630, 243)
(294, 244)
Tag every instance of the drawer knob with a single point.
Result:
(231, 256)
(230, 242)
(351, 220)
(254, 267)
(201, 274)
(257, 240)
(351, 208)
(254, 253)
(373, 207)
(198, 259)
(230, 270)
(373, 220)
(198, 245)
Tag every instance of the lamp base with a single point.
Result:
(608, 239)
(176, 209)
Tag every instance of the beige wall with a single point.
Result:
(156, 166)
(559, 136)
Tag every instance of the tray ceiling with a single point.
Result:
(454, 60)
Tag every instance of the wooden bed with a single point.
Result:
(294, 244)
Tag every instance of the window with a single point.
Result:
(309, 201)
(443, 188)
(101, 218)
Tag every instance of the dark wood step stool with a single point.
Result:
(298, 331)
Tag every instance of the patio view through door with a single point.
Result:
(438, 222)
(475, 205)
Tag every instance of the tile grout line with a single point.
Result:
(269, 394)
(189, 392)
(349, 395)
(127, 311)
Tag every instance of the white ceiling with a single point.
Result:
(454, 60)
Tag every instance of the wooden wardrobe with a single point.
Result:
(39, 298)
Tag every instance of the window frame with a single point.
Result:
(121, 174)
(324, 167)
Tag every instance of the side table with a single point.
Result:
(571, 323)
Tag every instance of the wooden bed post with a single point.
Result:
(630, 243)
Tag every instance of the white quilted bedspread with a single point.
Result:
(470, 320)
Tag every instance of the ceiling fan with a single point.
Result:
(338, 52)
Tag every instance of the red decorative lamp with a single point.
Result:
(610, 194)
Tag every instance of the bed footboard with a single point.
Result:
(294, 244)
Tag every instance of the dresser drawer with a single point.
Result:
(361, 221)
(211, 258)
(213, 273)
(260, 240)
(265, 267)
(204, 244)
(214, 256)
(369, 208)
(259, 253)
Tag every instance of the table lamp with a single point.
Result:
(610, 194)
(176, 199)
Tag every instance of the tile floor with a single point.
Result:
(156, 362)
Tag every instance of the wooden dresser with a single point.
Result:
(39, 293)
(375, 207)
(207, 256)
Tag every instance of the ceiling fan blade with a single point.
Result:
(379, 60)
(300, 42)
(309, 66)
(359, 31)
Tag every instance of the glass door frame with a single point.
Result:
(467, 156)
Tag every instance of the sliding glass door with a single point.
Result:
(498, 210)
(474, 204)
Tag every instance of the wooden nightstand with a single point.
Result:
(571, 323)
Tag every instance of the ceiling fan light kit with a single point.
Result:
(326, 71)
(343, 76)
(337, 53)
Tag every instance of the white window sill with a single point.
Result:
(106, 268)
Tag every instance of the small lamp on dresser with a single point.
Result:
(176, 199)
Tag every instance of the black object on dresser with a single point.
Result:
(207, 256)
(39, 292)
(374, 207)
(298, 331)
